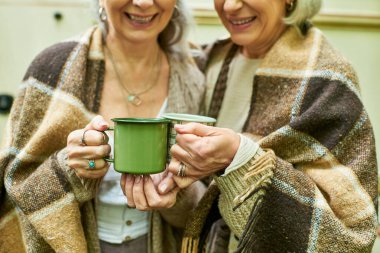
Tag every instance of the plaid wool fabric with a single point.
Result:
(45, 207)
(312, 187)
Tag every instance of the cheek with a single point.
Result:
(165, 19)
(218, 6)
(167, 5)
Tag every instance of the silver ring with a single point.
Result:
(181, 170)
(83, 140)
(105, 138)
(91, 164)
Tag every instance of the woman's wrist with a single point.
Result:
(246, 150)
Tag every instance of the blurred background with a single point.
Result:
(28, 26)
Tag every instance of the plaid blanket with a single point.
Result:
(312, 186)
(45, 207)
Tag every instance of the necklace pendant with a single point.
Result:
(134, 99)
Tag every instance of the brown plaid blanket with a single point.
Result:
(312, 187)
(44, 206)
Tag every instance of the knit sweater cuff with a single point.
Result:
(232, 184)
(247, 149)
(238, 189)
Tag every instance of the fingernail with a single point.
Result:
(145, 178)
(129, 178)
(102, 123)
(163, 187)
(137, 179)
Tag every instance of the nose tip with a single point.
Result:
(144, 4)
(232, 5)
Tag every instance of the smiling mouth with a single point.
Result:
(242, 21)
(140, 19)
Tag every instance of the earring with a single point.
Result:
(176, 12)
(102, 14)
(290, 7)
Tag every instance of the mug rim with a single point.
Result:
(189, 117)
(140, 120)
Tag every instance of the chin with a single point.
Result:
(241, 40)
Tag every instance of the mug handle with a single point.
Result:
(107, 158)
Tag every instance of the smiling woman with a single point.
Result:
(260, 23)
(171, 37)
(138, 22)
(302, 174)
(256, 27)
(134, 64)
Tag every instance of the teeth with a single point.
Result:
(241, 21)
(140, 19)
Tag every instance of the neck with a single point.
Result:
(136, 57)
(135, 69)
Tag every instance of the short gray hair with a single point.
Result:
(303, 12)
(173, 38)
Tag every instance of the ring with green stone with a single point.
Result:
(91, 164)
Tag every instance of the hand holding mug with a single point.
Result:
(143, 193)
(86, 149)
(201, 151)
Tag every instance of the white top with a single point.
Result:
(116, 222)
(237, 98)
(236, 102)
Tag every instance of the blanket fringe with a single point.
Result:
(190, 245)
(261, 172)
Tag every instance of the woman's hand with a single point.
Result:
(86, 149)
(142, 191)
(201, 151)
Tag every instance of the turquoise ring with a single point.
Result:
(91, 164)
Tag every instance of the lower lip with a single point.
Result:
(140, 25)
(241, 27)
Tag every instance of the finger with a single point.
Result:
(75, 137)
(94, 138)
(173, 166)
(167, 184)
(189, 143)
(182, 155)
(139, 195)
(157, 178)
(179, 153)
(91, 138)
(88, 152)
(122, 182)
(97, 123)
(154, 199)
(152, 196)
(128, 189)
(194, 128)
(79, 163)
(183, 182)
(91, 174)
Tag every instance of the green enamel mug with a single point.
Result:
(183, 118)
(140, 145)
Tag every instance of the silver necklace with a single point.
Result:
(134, 97)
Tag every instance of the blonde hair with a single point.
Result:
(303, 12)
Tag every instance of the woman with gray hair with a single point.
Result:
(302, 176)
(59, 195)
